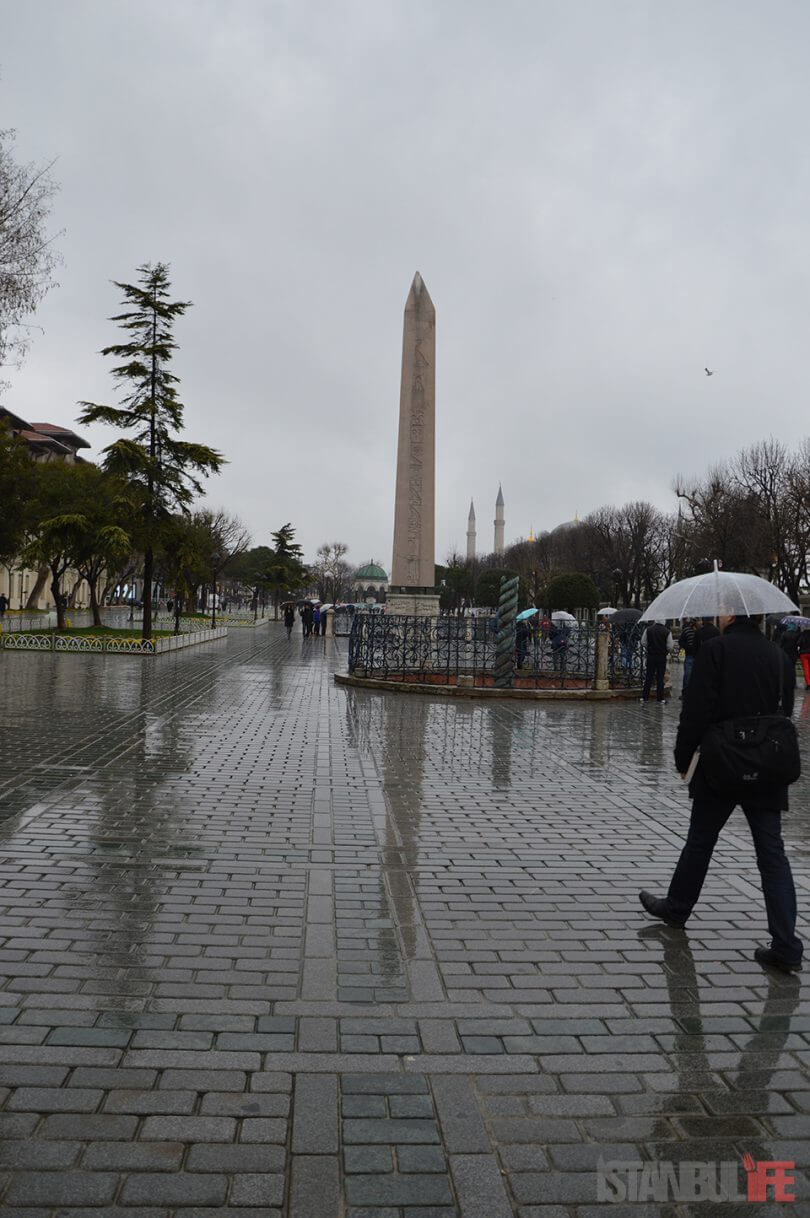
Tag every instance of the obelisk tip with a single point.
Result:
(419, 296)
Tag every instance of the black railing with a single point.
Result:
(626, 656)
(451, 651)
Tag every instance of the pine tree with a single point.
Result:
(165, 472)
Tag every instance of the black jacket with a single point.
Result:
(734, 675)
(657, 637)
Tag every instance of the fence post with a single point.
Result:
(601, 677)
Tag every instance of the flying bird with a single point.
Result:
(709, 371)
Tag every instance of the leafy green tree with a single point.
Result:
(488, 588)
(163, 471)
(571, 591)
(100, 542)
(17, 474)
(181, 559)
(249, 568)
(285, 573)
(455, 581)
(57, 524)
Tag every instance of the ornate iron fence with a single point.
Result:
(626, 656)
(451, 651)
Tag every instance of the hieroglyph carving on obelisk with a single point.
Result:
(414, 557)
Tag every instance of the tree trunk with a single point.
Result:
(148, 568)
(213, 602)
(56, 593)
(91, 583)
(36, 591)
(178, 605)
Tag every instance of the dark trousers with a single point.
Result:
(708, 818)
(655, 670)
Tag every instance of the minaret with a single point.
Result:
(471, 533)
(499, 521)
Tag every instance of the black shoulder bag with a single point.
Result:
(748, 755)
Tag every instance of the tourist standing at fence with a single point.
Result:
(658, 643)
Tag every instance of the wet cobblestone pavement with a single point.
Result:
(275, 947)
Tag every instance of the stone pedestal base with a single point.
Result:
(415, 602)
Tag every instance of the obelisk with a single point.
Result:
(413, 575)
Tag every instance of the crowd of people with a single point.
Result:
(313, 618)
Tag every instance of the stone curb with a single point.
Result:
(462, 691)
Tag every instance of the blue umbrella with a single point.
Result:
(795, 620)
(521, 617)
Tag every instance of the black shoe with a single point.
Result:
(768, 958)
(658, 908)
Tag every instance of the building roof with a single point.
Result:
(37, 439)
(49, 436)
(62, 433)
(371, 570)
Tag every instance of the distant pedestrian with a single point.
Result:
(804, 655)
(289, 619)
(316, 620)
(558, 638)
(628, 641)
(658, 642)
(689, 645)
(521, 642)
(789, 642)
(738, 677)
(3, 603)
(307, 618)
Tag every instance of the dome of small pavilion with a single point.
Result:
(371, 570)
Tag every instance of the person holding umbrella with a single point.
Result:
(741, 687)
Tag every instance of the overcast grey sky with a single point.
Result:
(602, 196)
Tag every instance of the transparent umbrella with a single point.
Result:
(719, 594)
(561, 616)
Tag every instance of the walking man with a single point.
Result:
(735, 675)
(658, 641)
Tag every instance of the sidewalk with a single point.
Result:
(271, 946)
